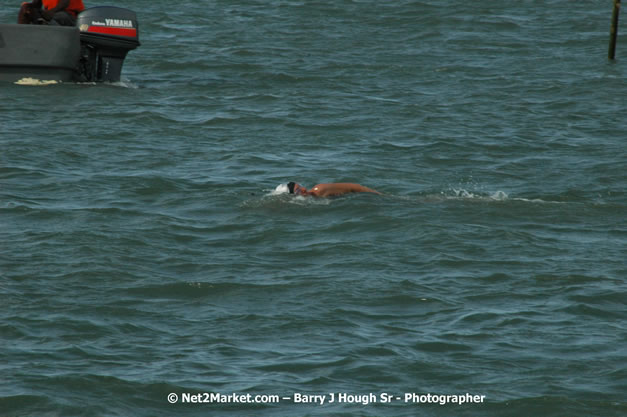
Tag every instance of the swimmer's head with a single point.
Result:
(296, 189)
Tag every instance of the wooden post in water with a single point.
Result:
(614, 30)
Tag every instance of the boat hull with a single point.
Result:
(38, 51)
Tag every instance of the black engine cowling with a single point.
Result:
(107, 34)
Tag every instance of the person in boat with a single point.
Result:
(50, 12)
(329, 190)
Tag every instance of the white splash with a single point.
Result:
(123, 84)
(464, 194)
(35, 81)
(499, 195)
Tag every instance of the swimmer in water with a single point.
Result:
(329, 190)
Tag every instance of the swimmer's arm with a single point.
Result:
(335, 189)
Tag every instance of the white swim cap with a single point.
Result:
(281, 189)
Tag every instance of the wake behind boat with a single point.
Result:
(92, 51)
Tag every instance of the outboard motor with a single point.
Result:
(107, 34)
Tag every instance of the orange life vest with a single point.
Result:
(75, 7)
